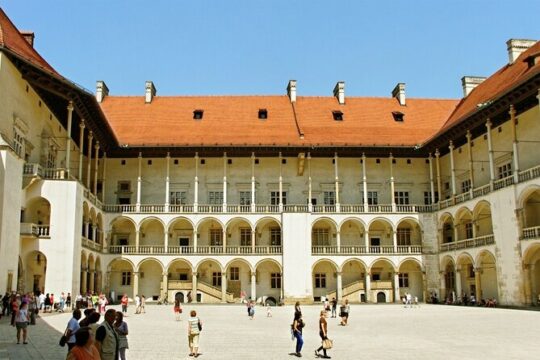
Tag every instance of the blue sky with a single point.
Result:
(255, 47)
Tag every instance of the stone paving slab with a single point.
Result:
(374, 332)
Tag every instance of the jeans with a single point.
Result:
(333, 311)
(299, 341)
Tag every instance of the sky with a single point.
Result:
(203, 47)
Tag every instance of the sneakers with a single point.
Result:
(298, 355)
(316, 353)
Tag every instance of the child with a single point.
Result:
(268, 310)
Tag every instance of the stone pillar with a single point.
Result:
(94, 233)
(310, 195)
(280, 184)
(139, 184)
(336, 176)
(164, 285)
(394, 240)
(459, 290)
(471, 162)
(224, 241)
(68, 137)
(92, 279)
(490, 155)
(431, 184)
(338, 241)
(196, 184)
(253, 233)
(167, 182)
(223, 287)
(254, 285)
(443, 285)
(194, 287)
(534, 289)
(96, 166)
(224, 182)
(86, 228)
(438, 167)
(452, 168)
(195, 236)
(397, 297)
(253, 206)
(368, 287)
(478, 283)
(424, 286)
(515, 144)
(364, 183)
(392, 189)
(137, 240)
(339, 286)
(135, 284)
(81, 145)
(88, 168)
(527, 284)
(166, 241)
(84, 287)
(366, 240)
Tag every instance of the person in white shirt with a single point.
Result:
(41, 301)
(137, 304)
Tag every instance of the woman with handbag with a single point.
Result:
(323, 333)
(21, 322)
(194, 328)
(121, 328)
(297, 326)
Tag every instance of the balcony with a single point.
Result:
(381, 285)
(89, 244)
(191, 250)
(35, 230)
(370, 250)
(531, 233)
(36, 170)
(468, 243)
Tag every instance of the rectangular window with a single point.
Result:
(245, 197)
(275, 280)
(126, 278)
(376, 277)
(51, 157)
(216, 237)
(275, 236)
(18, 141)
(124, 186)
(274, 197)
(320, 237)
(215, 197)
(320, 281)
(427, 197)
(245, 237)
(178, 198)
(234, 274)
(329, 198)
(469, 230)
(505, 170)
(404, 237)
(401, 197)
(466, 186)
(403, 280)
(216, 279)
(372, 198)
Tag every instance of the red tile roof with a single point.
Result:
(11, 39)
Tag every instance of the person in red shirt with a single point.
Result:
(124, 303)
(14, 308)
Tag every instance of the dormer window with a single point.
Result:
(263, 114)
(198, 114)
(398, 116)
(338, 115)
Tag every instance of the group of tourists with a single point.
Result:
(96, 301)
(465, 299)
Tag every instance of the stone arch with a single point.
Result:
(526, 193)
(531, 273)
(411, 278)
(353, 274)
(382, 272)
(243, 261)
(381, 261)
(530, 203)
(271, 260)
(151, 232)
(209, 271)
(380, 232)
(37, 211)
(352, 231)
(323, 235)
(239, 273)
(264, 220)
(409, 232)
(239, 232)
(268, 232)
(464, 224)
(35, 271)
(446, 228)
(181, 235)
(210, 233)
(150, 271)
(482, 219)
(120, 278)
(324, 274)
(487, 266)
(99, 231)
(268, 281)
(465, 274)
(180, 219)
(123, 233)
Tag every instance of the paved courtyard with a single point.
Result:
(374, 332)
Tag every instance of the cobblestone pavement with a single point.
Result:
(374, 332)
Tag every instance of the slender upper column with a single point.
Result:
(478, 283)
(392, 188)
(224, 182)
(338, 241)
(88, 169)
(196, 184)
(394, 240)
(68, 137)
(339, 286)
(490, 154)
(81, 145)
(397, 297)
(310, 190)
(195, 238)
(139, 183)
(167, 182)
(96, 166)
(224, 240)
(253, 182)
(471, 162)
(280, 183)
(165, 285)
(452, 168)
(443, 294)
(194, 287)
(254, 285)
(104, 177)
(253, 234)
(431, 184)
(336, 175)
(368, 287)
(438, 166)
(135, 284)
(515, 144)
(166, 241)
(364, 183)
(137, 239)
(458, 282)
(223, 287)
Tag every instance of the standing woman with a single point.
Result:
(177, 309)
(297, 326)
(124, 302)
(194, 328)
(345, 310)
(323, 333)
(122, 330)
(21, 322)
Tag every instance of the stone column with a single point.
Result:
(92, 277)
(515, 144)
(194, 287)
(527, 284)
(471, 162)
(253, 233)
(452, 168)
(280, 184)
(478, 283)
(254, 285)
(534, 289)
(438, 167)
(86, 228)
(336, 176)
(139, 184)
(443, 285)
(166, 241)
(96, 166)
(94, 233)
(431, 184)
(224, 182)
(196, 184)
(137, 240)
(392, 189)
(459, 290)
(68, 138)
(167, 182)
(394, 240)
(164, 285)
(84, 287)
(135, 283)
(338, 241)
(310, 195)
(88, 168)
(81, 145)
(368, 287)
(396, 288)
(224, 241)
(195, 236)
(223, 287)
(366, 240)
(253, 206)
(490, 154)
(364, 183)
(339, 286)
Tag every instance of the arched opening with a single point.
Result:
(239, 236)
(382, 273)
(409, 234)
(122, 235)
(482, 219)
(410, 279)
(92, 228)
(268, 278)
(121, 279)
(210, 282)
(99, 229)
(449, 292)
(464, 224)
(380, 236)
(324, 279)
(150, 279)
(179, 296)
(353, 275)
(381, 297)
(268, 237)
(352, 236)
(531, 274)
(488, 277)
(35, 271)
(85, 274)
(239, 279)
(152, 235)
(465, 285)
(179, 281)
(531, 207)
(36, 218)
(323, 237)
(211, 236)
(181, 240)
(447, 229)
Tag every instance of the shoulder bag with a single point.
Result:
(327, 344)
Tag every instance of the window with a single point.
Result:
(376, 277)
(401, 197)
(245, 197)
(372, 198)
(245, 237)
(18, 141)
(234, 274)
(338, 115)
(427, 197)
(126, 278)
(505, 170)
(320, 237)
(275, 236)
(178, 198)
(216, 278)
(469, 230)
(403, 280)
(124, 186)
(197, 114)
(320, 281)
(215, 197)
(216, 237)
(471, 270)
(404, 237)
(275, 280)
(51, 157)
(263, 114)
(329, 198)
(274, 197)
(466, 185)
(123, 241)
(398, 116)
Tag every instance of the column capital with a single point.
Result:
(339, 273)
(90, 134)
(164, 274)
(140, 155)
(451, 145)
(82, 124)
(488, 123)
(70, 106)
(468, 135)
(254, 273)
(96, 146)
(195, 274)
(168, 155)
(512, 110)
(437, 152)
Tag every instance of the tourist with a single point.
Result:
(137, 304)
(344, 313)
(251, 309)
(334, 307)
(121, 328)
(143, 304)
(102, 303)
(21, 322)
(72, 327)
(92, 322)
(326, 304)
(268, 310)
(47, 303)
(124, 302)
(177, 309)
(323, 333)
(5, 304)
(61, 302)
(408, 297)
(84, 348)
(52, 303)
(15, 303)
(194, 328)
(95, 301)
(107, 338)
(297, 326)
(32, 308)
(68, 300)
(86, 321)
(297, 307)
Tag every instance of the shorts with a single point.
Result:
(21, 325)
(193, 340)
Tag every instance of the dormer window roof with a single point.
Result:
(398, 116)
(338, 115)
(263, 114)
(198, 114)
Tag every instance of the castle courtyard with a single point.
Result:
(374, 332)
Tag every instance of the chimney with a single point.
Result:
(291, 90)
(516, 47)
(399, 93)
(29, 37)
(150, 92)
(470, 82)
(101, 90)
(339, 92)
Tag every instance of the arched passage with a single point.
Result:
(240, 236)
(447, 229)
(212, 282)
(239, 279)
(35, 271)
(380, 236)
(408, 234)
(323, 236)
(181, 236)
(410, 280)
(464, 224)
(486, 279)
(123, 233)
(324, 279)
(449, 292)
(38, 213)
(530, 218)
(268, 236)
(531, 274)
(465, 285)
(152, 234)
(121, 279)
(211, 237)
(353, 275)
(150, 278)
(268, 278)
(352, 232)
(482, 219)
(180, 281)
(382, 273)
